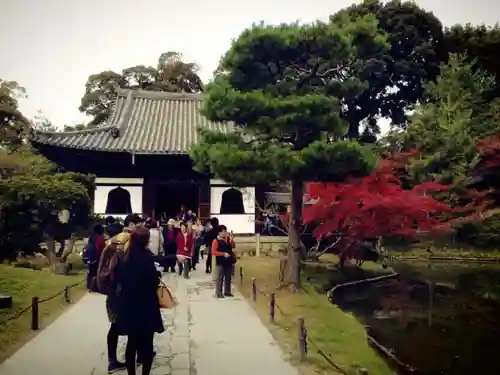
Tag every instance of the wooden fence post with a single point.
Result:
(257, 244)
(67, 296)
(302, 338)
(241, 275)
(254, 289)
(34, 314)
(272, 306)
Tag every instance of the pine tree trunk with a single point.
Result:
(290, 274)
(68, 248)
(51, 250)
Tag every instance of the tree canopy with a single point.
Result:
(32, 190)
(375, 206)
(449, 130)
(283, 88)
(13, 124)
(448, 126)
(396, 74)
(171, 74)
(479, 43)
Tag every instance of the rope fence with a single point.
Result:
(35, 303)
(304, 339)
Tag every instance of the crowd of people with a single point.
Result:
(128, 265)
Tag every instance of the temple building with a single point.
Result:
(141, 162)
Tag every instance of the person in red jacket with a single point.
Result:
(185, 248)
(92, 253)
(222, 250)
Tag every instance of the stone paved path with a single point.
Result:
(204, 336)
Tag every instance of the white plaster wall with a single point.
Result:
(122, 181)
(101, 198)
(216, 181)
(239, 224)
(248, 199)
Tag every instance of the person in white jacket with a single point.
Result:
(155, 239)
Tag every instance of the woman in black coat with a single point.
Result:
(138, 315)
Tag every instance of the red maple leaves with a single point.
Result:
(489, 149)
(375, 206)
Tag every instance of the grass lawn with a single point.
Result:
(23, 284)
(336, 333)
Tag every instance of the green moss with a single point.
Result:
(23, 284)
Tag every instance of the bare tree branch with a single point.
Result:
(315, 248)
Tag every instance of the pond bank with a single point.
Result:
(338, 334)
(445, 254)
(447, 308)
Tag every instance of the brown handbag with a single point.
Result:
(165, 297)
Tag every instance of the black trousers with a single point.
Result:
(196, 257)
(184, 267)
(140, 345)
(91, 276)
(224, 277)
(208, 263)
(112, 341)
(169, 262)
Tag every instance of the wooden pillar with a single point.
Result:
(204, 199)
(149, 197)
(260, 198)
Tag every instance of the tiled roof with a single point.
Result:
(142, 122)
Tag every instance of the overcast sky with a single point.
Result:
(52, 46)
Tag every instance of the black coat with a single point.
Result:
(209, 238)
(138, 307)
(169, 247)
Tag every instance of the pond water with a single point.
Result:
(438, 318)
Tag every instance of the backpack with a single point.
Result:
(106, 271)
(121, 241)
(90, 252)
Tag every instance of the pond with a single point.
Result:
(438, 318)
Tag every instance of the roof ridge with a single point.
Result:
(118, 125)
(76, 132)
(160, 95)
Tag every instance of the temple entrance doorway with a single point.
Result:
(171, 196)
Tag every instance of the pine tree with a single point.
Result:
(283, 88)
(454, 118)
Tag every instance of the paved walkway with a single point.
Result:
(204, 336)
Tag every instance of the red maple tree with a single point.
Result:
(374, 206)
(489, 149)
(378, 206)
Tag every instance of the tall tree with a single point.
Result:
(481, 44)
(32, 190)
(100, 95)
(447, 128)
(176, 75)
(283, 87)
(13, 124)
(42, 123)
(172, 74)
(140, 77)
(415, 37)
